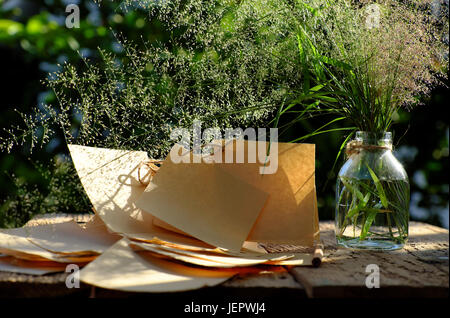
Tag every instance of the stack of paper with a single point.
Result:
(196, 215)
(194, 223)
(47, 248)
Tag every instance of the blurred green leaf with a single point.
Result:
(10, 29)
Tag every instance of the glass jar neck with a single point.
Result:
(383, 139)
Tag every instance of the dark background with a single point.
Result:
(33, 40)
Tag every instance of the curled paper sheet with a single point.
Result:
(120, 268)
(70, 238)
(14, 265)
(14, 242)
(110, 180)
(48, 247)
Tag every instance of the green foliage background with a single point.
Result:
(34, 42)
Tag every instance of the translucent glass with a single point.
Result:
(372, 196)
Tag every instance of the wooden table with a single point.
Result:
(419, 270)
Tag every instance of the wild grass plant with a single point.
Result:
(227, 64)
(362, 62)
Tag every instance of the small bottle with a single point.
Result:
(372, 195)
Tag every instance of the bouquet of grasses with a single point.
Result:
(362, 61)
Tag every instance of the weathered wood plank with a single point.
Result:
(264, 280)
(420, 269)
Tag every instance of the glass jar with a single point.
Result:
(372, 195)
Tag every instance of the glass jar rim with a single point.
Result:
(368, 135)
(382, 140)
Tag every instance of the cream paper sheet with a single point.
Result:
(70, 238)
